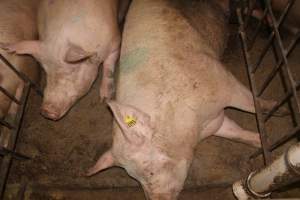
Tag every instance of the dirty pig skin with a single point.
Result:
(17, 23)
(75, 37)
(171, 94)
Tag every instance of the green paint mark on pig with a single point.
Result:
(133, 59)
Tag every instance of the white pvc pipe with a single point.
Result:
(283, 171)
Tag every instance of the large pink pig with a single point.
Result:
(18, 22)
(76, 36)
(171, 94)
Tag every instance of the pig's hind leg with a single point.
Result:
(230, 130)
(107, 87)
(242, 98)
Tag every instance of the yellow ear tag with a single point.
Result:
(130, 121)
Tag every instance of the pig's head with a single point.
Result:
(70, 71)
(135, 149)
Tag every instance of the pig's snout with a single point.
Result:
(50, 112)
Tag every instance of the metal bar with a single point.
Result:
(279, 141)
(280, 103)
(283, 52)
(256, 32)
(279, 64)
(10, 96)
(7, 160)
(285, 12)
(248, 14)
(264, 52)
(259, 116)
(5, 151)
(22, 76)
(6, 124)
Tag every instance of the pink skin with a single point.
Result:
(171, 94)
(176, 92)
(19, 25)
(75, 38)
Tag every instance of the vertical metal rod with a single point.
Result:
(7, 160)
(257, 31)
(280, 141)
(278, 65)
(259, 116)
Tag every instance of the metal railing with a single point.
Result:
(281, 53)
(8, 153)
(279, 49)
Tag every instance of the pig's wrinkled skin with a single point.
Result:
(76, 36)
(292, 21)
(18, 22)
(173, 92)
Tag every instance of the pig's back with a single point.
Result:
(164, 59)
(83, 21)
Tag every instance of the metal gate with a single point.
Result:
(8, 153)
(271, 25)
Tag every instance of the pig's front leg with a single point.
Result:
(107, 87)
(230, 130)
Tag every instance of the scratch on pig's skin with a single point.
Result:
(133, 59)
(190, 107)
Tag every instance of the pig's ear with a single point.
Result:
(30, 47)
(76, 54)
(104, 162)
(135, 124)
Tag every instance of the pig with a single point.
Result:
(18, 23)
(75, 37)
(171, 94)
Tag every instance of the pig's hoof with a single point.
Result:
(257, 143)
(107, 89)
(90, 172)
(106, 94)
